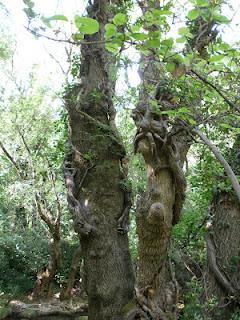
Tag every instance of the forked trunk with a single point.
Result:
(44, 288)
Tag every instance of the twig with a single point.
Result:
(84, 42)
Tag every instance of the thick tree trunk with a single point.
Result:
(164, 147)
(158, 209)
(93, 176)
(223, 243)
(45, 279)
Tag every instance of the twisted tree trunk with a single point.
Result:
(164, 145)
(93, 175)
(164, 148)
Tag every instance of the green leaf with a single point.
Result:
(202, 3)
(86, 25)
(159, 12)
(169, 112)
(120, 19)
(181, 40)
(58, 17)
(139, 36)
(78, 36)
(220, 18)
(29, 3)
(168, 42)
(183, 110)
(112, 47)
(152, 43)
(46, 22)
(184, 31)
(110, 30)
(217, 58)
(135, 28)
(193, 14)
(31, 14)
(225, 126)
(187, 61)
(192, 121)
(170, 66)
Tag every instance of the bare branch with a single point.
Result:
(220, 158)
(24, 141)
(43, 213)
(57, 62)
(40, 35)
(53, 180)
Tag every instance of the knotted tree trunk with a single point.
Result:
(164, 148)
(94, 175)
(164, 144)
(158, 209)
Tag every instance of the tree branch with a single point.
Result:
(230, 103)
(40, 35)
(43, 213)
(53, 180)
(220, 158)
(11, 159)
(220, 277)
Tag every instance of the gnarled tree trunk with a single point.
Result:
(164, 144)
(93, 175)
(164, 148)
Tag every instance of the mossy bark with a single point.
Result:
(164, 147)
(93, 176)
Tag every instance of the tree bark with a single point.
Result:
(164, 145)
(223, 243)
(164, 148)
(93, 175)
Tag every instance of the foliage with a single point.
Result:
(23, 254)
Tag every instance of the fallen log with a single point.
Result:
(45, 311)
